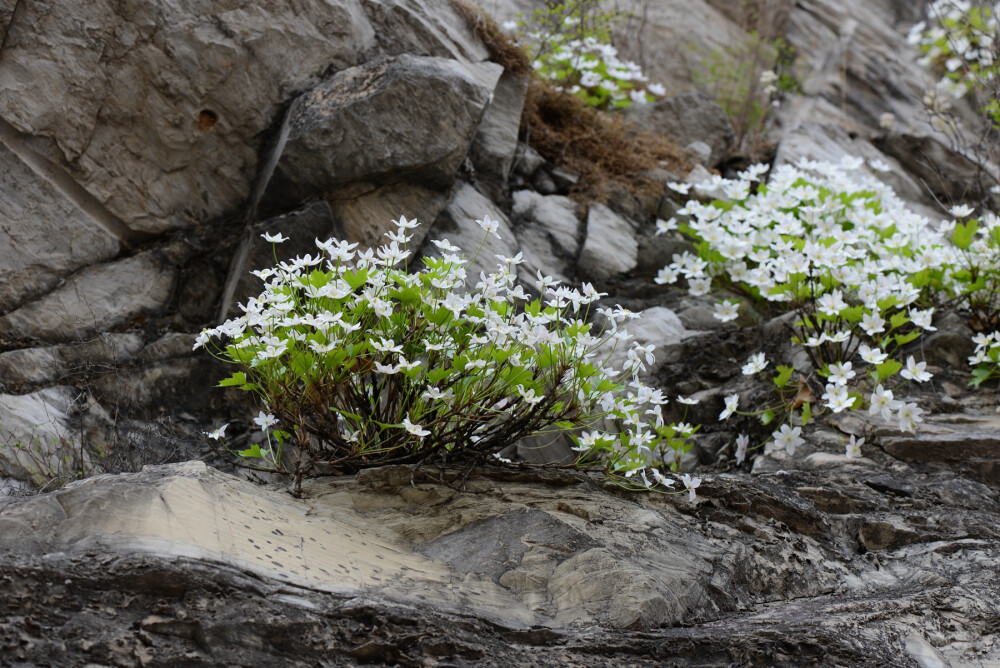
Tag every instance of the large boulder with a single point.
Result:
(403, 119)
(689, 118)
(193, 566)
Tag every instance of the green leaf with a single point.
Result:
(806, 413)
(899, 319)
(903, 339)
(963, 235)
(784, 374)
(356, 278)
(888, 369)
(301, 363)
(979, 375)
(238, 378)
(766, 417)
(252, 452)
(852, 314)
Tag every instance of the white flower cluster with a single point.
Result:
(836, 244)
(961, 44)
(593, 70)
(415, 360)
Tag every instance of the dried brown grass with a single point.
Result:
(602, 148)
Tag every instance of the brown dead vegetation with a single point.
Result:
(602, 148)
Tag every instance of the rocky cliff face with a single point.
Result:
(143, 149)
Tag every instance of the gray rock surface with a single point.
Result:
(830, 142)
(554, 215)
(658, 326)
(38, 438)
(367, 212)
(495, 142)
(610, 248)
(402, 119)
(29, 367)
(196, 86)
(301, 228)
(687, 118)
(43, 237)
(836, 564)
(95, 299)
(457, 224)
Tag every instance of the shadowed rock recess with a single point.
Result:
(146, 146)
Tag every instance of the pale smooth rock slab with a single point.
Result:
(610, 249)
(554, 214)
(43, 236)
(95, 299)
(520, 555)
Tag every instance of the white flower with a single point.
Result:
(788, 438)
(841, 373)
(915, 370)
(681, 188)
(922, 319)
(445, 245)
(265, 420)
(831, 303)
(638, 96)
(274, 238)
(872, 355)
(961, 210)
(657, 89)
(837, 398)
(690, 401)
(908, 415)
(414, 429)
(690, 484)
(665, 276)
(872, 323)
(755, 364)
(203, 338)
(882, 403)
(489, 225)
(698, 287)
(218, 433)
(508, 261)
(664, 226)
(529, 395)
(661, 479)
(726, 311)
(386, 346)
(732, 401)
(742, 441)
(434, 394)
(854, 447)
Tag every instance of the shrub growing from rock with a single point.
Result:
(361, 361)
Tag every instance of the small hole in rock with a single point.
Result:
(207, 119)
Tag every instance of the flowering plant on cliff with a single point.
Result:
(961, 46)
(362, 362)
(840, 249)
(571, 46)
